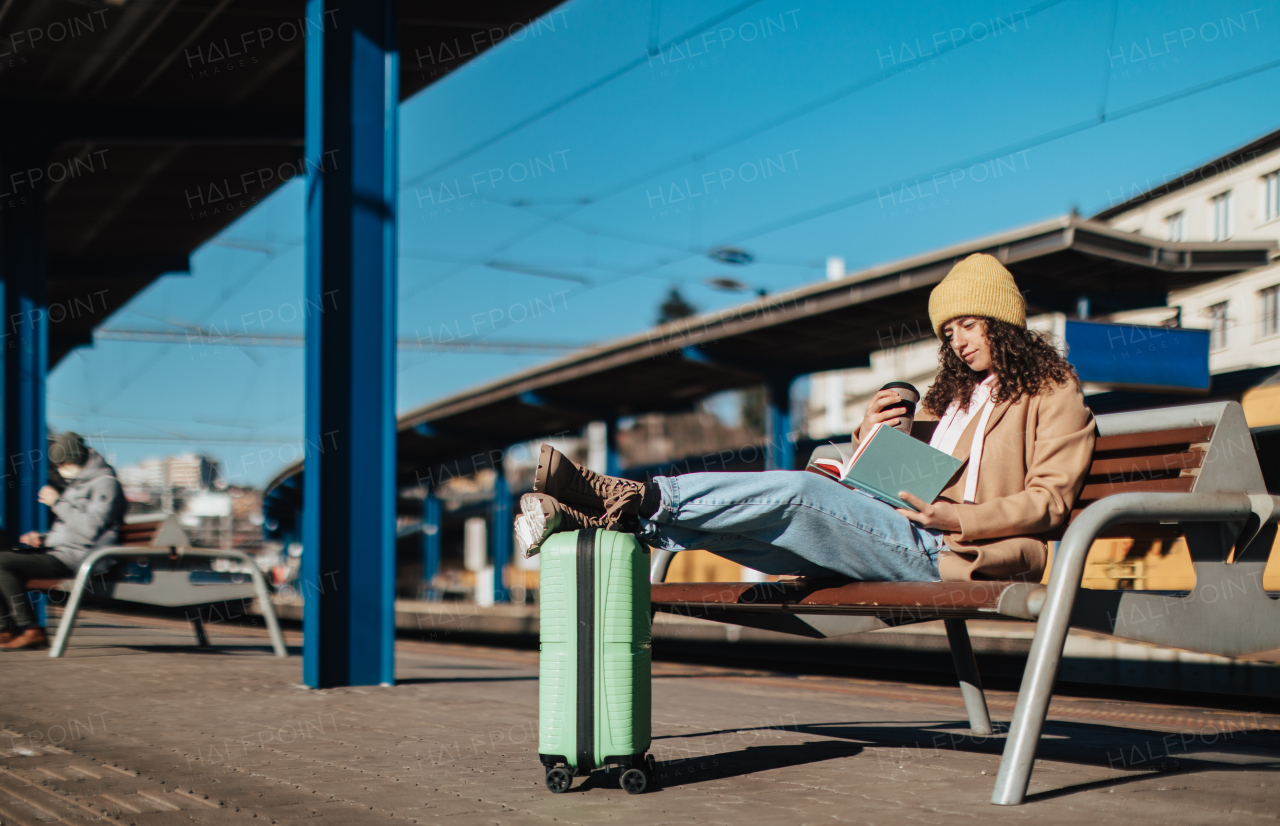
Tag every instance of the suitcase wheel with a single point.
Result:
(633, 781)
(558, 780)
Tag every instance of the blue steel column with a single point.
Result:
(613, 459)
(25, 339)
(500, 534)
(432, 536)
(779, 450)
(349, 523)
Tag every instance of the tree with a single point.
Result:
(675, 307)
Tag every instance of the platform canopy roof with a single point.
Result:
(157, 106)
(823, 326)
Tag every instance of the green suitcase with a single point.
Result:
(594, 676)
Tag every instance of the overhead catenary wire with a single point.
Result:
(759, 128)
(1019, 146)
(581, 92)
(198, 338)
(910, 179)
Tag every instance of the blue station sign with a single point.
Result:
(1138, 357)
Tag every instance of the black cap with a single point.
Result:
(69, 448)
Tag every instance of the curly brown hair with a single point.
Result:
(1024, 361)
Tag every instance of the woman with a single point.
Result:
(1007, 404)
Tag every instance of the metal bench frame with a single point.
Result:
(1227, 612)
(85, 570)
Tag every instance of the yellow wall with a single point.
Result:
(1262, 405)
(703, 566)
(1122, 563)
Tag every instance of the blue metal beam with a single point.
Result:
(348, 571)
(613, 458)
(500, 534)
(432, 538)
(26, 347)
(531, 398)
(700, 355)
(780, 446)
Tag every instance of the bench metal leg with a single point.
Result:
(975, 701)
(1033, 700)
(197, 627)
(1055, 617)
(660, 561)
(68, 620)
(268, 610)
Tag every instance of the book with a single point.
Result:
(888, 461)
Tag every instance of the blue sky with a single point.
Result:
(553, 190)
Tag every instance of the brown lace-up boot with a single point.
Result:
(542, 515)
(576, 486)
(29, 639)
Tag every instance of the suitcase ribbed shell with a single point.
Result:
(621, 650)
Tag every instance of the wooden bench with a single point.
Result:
(1187, 471)
(147, 541)
(138, 533)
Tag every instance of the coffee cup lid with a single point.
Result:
(902, 385)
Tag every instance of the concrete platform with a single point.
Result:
(136, 727)
(1001, 647)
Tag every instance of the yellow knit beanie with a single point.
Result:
(978, 285)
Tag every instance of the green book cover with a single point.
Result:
(890, 461)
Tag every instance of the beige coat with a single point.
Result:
(1034, 462)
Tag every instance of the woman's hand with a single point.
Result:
(876, 411)
(48, 495)
(941, 516)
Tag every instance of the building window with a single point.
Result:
(1269, 311)
(1222, 216)
(1217, 325)
(1271, 192)
(1173, 227)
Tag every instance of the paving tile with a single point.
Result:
(161, 734)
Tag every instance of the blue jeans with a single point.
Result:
(791, 522)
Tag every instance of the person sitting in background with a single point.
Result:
(87, 514)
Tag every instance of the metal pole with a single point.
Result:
(348, 566)
(22, 276)
(432, 539)
(1051, 631)
(613, 459)
(779, 449)
(501, 535)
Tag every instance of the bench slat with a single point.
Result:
(1159, 438)
(1093, 492)
(926, 596)
(1160, 464)
(44, 584)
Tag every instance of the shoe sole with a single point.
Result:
(40, 646)
(534, 525)
(545, 455)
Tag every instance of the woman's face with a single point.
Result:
(967, 336)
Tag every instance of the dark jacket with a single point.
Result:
(89, 513)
